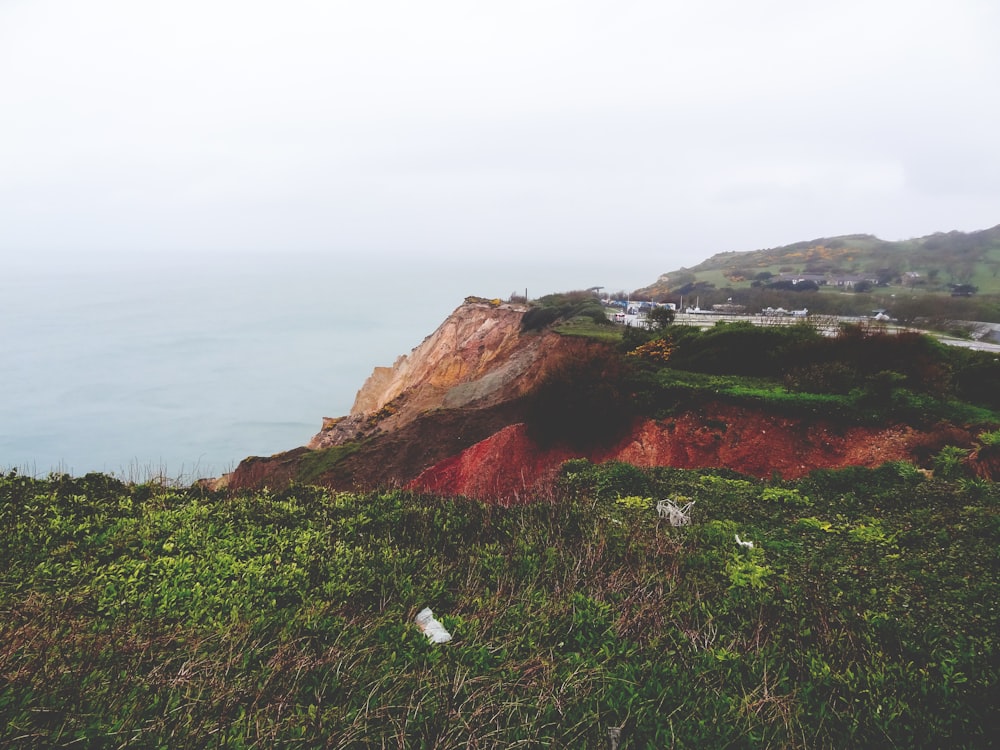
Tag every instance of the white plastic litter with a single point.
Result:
(747, 544)
(433, 629)
(676, 514)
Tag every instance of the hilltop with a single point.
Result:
(937, 264)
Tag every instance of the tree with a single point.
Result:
(863, 287)
(582, 403)
(660, 317)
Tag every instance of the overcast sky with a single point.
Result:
(661, 131)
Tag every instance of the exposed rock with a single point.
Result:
(330, 422)
(475, 341)
(460, 385)
(477, 357)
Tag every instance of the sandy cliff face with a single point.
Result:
(476, 341)
(476, 359)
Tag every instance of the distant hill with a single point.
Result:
(938, 263)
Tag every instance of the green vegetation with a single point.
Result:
(864, 614)
(313, 464)
(860, 376)
(565, 308)
(660, 317)
(990, 438)
(915, 278)
(587, 327)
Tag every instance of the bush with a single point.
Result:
(555, 307)
(742, 348)
(989, 438)
(948, 464)
(585, 403)
(977, 378)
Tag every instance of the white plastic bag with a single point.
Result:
(433, 629)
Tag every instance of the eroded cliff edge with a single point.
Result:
(476, 359)
(465, 382)
(452, 417)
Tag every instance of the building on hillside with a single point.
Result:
(849, 282)
(797, 278)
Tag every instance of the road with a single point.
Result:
(829, 325)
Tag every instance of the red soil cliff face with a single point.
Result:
(510, 466)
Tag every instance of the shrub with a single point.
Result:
(948, 463)
(785, 497)
(827, 377)
(656, 350)
(989, 438)
(660, 317)
(565, 306)
(977, 378)
(585, 403)
(538, 318)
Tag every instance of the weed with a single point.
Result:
(162, 616)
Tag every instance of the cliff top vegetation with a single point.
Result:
(862, 375)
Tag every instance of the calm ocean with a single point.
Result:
(184, 367)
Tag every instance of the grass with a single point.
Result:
(141, 615)
(588, 328)
(858, 406)
(314, 464)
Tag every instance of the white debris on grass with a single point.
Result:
(430, 627)
(677, 515)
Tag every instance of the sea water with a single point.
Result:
(182, 366)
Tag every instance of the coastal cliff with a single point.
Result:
(459, 415)
(475, 359)
(466, 381)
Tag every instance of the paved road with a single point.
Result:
(979, 346)
(827, 324)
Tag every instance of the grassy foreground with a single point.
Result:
(865, 615)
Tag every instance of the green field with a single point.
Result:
(864, 615)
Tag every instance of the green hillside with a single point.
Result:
(863, 615)
(936, 264)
